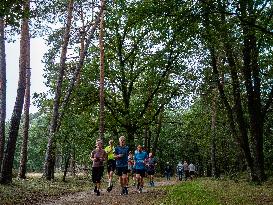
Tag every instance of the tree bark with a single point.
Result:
(83, 53)
(7, 164)
(158, 130)
(3, 87)
(251, 73)
(213, 136)
(102, 104)
(24, 147)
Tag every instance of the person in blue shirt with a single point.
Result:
(121, 155)
(140, 162)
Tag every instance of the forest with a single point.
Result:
(188, 79)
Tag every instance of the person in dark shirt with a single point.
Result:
(121, 155)
(168, 171)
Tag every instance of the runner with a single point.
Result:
(179, 171)
(121, 156)
(186, 170)
(192, 170)
(150, 164)
(140, 160)
(111, 164)
(168, 171)
(97, 156)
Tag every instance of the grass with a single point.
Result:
(201, 191)
(212, 192)
(34, 188)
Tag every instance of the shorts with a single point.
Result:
(191, 173)
(121, 170)
(151, 172)
(141, 172)
(111, 165)
(97, 173)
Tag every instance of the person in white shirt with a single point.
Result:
(192, 170)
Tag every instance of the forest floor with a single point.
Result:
(149, 196)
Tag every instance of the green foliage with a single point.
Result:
(11, 11)
(190, 193)
(205, 191)
(156, 62)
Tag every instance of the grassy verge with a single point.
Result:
(207, 191)
(34, 189)
(200, 191)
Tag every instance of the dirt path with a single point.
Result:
(147, 197)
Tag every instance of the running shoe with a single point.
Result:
(122, 191)
(110, 188)
(126, 190)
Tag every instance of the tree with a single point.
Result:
(102, 104)
(51, 146)
(24, 146)
(6, 174)
(2, 89)
(249, 107)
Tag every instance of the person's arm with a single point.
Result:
(116, 153)
(92, 156)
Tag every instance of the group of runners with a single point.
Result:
(185, 170)
(124, 163)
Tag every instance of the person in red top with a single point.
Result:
(97, 157)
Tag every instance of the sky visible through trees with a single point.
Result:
(38, 49)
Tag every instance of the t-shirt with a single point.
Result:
(179, 167)
(192, 168)
(100, 154)
(110, 152)
(150, 163)
(186, 166)
(140, 158)
(122, 161)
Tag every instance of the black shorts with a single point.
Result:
(121, 170)
(191, 173)
(111, 165)
(151, 172)
(97, 173)
(141, 172)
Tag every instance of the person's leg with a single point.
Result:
(95, 178)
(134, 177)
(138, 179)
(98, 180)
(125, 183)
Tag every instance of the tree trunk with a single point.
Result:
(158, 130)
(83, 53)
(213, 135)
(251, 73)
(66, 163)
(73, 161)
(7, 165)
(51, 145)
(23, 156)
(101, 42)
(3, 87)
